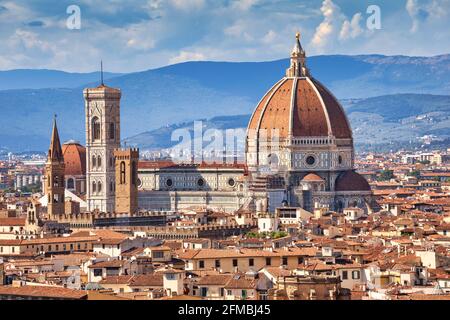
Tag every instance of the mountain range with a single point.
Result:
(383, 95)
(381, 123)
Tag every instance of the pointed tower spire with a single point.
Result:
(101, 72)
(298, 60)
(55, 150)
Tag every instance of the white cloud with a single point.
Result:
(244, 5)
(185, 56)
(187, 5)
(351, 29)
(331, 14)
(269, 37)
(239, 30)
(426, 10)
(227, 30)
(413, 9)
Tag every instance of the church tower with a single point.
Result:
(127, 180)
(102, 106)
(54, 172)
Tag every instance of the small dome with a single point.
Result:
(312, 177)
(351, 181)
(74, 158)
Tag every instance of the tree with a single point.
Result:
(32, 188)
(386, 175)
(415, 173)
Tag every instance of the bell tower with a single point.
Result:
(126, 180)
(102, 107)
(54, 172)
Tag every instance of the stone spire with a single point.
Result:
(298, 60)
(55, 176)
(55, 150)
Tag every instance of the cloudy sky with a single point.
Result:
(136, 35)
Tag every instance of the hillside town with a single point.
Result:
(304, 217)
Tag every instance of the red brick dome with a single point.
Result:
(301, 107)
(312, 177)
(74, 158)
(351, 181)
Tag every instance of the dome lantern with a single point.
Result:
(298, 60)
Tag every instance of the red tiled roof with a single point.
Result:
(42, 291)
(312, 177)
(351, 181)
(12, 222)
(74, 159)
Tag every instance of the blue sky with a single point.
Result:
(136, 35)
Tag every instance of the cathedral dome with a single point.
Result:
(300, 106)
(351, 181)
(312, 177)
(74, 158)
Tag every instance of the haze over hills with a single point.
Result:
(42, 79)
(158, 100)
(382, 122)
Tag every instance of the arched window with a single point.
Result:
(94, 161)
(122, 172)
(70, 184)
(95, 128)
(111, 187)
(94, 187)
(49, 182)
(112, 131)
(99, 187)
(133, 173)
(99, 161)
(56, 181)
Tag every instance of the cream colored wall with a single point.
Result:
(226, 264)
(213, 292)
(110, 250)
(116, 287)
(236, 294)
(62, 247)
(10, 250)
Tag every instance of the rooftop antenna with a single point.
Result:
(101, 71)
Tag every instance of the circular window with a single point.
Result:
(340, 159)
(310, 160)
(231, 182)
(169, 183)
(200, 182)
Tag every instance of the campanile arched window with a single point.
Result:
(112, 131)
(94, 187)
(122, 172)
(133, 173)
(70, 184)
(95, 128)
